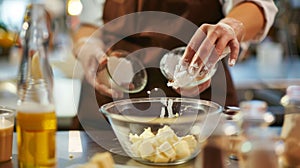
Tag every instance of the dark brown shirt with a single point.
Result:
(198, 12)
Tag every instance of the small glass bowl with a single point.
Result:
(130, 118)
(171, 59)
(126, 73)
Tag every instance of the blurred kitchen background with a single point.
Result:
(263, 72)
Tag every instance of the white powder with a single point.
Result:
(181, 77)
(179, 74)
(168, 104)
(162, 112)
(177, 71)
(169, 107)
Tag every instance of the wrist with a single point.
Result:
(237, 27)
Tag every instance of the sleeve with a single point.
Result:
(92, 12)
(269, 8)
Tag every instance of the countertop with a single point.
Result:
(76, 147)
(247, 74)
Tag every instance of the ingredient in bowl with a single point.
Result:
(163, 147)
(168, 105)
(99, 160)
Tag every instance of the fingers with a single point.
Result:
(208, 45)
(119, 53)
(102, 88)
(193, 45)
(204, 52)
(94, 65)
(105, 90)
(188, 54)
(234, 47)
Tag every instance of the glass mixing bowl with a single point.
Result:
(162, 131)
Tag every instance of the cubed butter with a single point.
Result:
(147, 133)
(160, 158)
(182, 149)
(163, 147)
(135, 148)
(103, 160)
(167, 150)
(146, 149)
(134, 138)
(165, 129)
(191, 141)
(167, 134)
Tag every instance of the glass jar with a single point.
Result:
(254, 114)
(290, 129)
(261, 149)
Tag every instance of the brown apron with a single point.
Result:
(196, 11)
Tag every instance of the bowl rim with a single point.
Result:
(151, 120)
(7, 112)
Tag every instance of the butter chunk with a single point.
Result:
(191, 141)
(135, 148)
(147, 133)
(182, 149)
(163, 147)
(165, 129)
(103, 160)
(167, 149)
(134, 138)
(146, 149)
(160, 158)
(166, 134)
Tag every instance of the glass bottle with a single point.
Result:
(290, 130)
(254, 114)
(36, 118)
(261, 149)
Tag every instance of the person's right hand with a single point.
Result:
(93, 59)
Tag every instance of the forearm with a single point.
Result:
(251, 17)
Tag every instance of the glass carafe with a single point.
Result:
(36, 118)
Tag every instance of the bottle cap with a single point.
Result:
(293, 91)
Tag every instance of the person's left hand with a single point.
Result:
(206, 48)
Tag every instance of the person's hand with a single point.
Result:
(93, 59)
(208, 45)
(210, 40)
